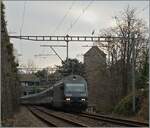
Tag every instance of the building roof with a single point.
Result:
(96, 50)
(29, 77)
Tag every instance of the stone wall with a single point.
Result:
(10, 89)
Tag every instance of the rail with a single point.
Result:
(123, 122)
(46, 115)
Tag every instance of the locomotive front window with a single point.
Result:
(75, 88)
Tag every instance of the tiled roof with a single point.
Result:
(96, 50)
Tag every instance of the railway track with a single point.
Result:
(61, 119)
(52, 119)
(118, 121)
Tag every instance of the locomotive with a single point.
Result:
(69, 93)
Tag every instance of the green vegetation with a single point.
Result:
(128, 24)
(10, 88)
(73, 66)
(41, 74)
(143, 115)
(143, 71)
(124, 107)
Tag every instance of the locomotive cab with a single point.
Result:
(75, 93)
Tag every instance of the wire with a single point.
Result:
(143, 9)
(63, 18)
(23, 15)
(21, 27)
(76, 20)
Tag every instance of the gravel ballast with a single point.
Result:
(24, 118)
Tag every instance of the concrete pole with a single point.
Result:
(67, 41)
(47, 75)
(67, 51)
(133, 74)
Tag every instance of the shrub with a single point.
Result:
(125, 106)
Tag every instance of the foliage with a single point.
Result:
(73, 66)
(143, 114)
(9, 48)
(143, 71)
(10, 88)
(124, 107)
(41, 74)
(2, 11)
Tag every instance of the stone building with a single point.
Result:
(97, 78)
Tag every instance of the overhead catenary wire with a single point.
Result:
(76, 20)
(137, 12)
(23, 15)
(64, 17)
(143, 9)
(62, 20)
(21, 26)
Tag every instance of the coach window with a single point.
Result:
(52, 93)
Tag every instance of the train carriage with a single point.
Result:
(69, 93)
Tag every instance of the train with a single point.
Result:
(70, 93)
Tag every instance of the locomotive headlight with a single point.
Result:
(67, 99)
(83, 99)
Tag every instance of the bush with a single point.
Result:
(143, 114)
(125, 106)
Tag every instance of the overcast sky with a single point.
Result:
(44, 18)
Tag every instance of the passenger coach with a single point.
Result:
(69, 93)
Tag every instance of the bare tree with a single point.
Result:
(133, 31)
(30, 66)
